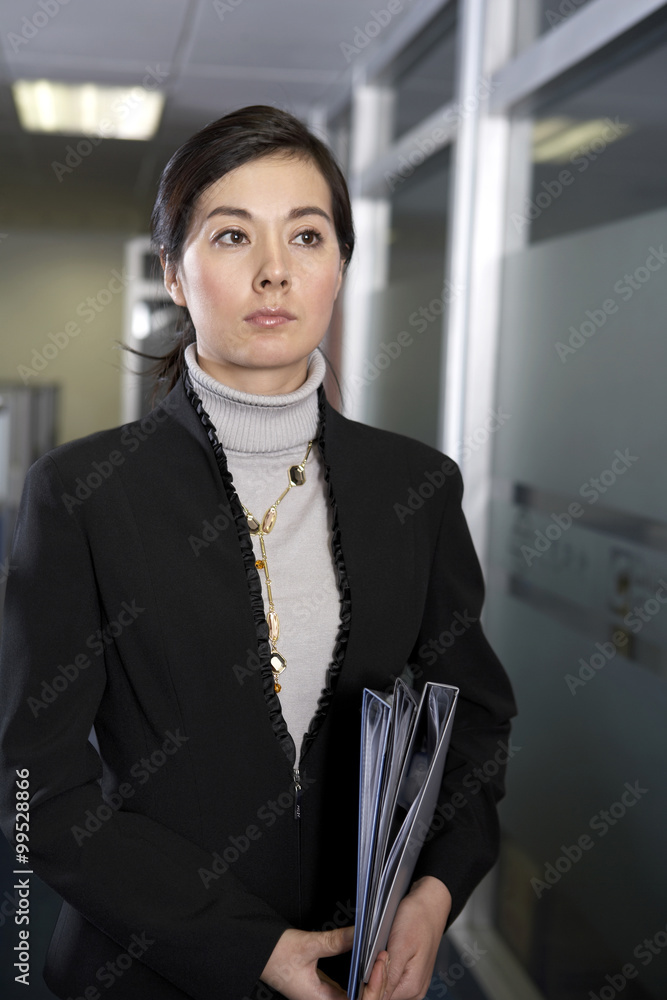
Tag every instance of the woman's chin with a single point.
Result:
(275, 349)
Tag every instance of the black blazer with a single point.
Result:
(133, 605)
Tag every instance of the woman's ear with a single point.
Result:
(339, 281)
(172, 280)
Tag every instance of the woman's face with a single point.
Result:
(261, 237)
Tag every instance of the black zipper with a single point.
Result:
(296, 778)
(297, 794)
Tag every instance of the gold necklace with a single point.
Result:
(296, 475)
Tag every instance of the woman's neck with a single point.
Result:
(254, 422)
(272, 381)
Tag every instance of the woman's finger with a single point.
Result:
(377, 984)
(331, 982)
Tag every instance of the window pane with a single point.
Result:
(578, 548)
(536, 17)
(599, 153)
(424, 74)
(403, 367)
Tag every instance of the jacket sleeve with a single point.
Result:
(462, 843)
(133, 875)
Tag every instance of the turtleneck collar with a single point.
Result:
(254, 422)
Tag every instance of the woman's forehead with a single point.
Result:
(264, 180)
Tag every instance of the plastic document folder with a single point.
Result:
(404, 742)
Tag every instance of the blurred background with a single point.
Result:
(506, 303)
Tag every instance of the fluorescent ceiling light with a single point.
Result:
(88, 109)
(141, 321)
(559, 139)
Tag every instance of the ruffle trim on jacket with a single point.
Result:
(255, 588)
(342, 636)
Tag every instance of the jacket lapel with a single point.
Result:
(373, 550)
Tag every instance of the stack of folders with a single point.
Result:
(404, 742)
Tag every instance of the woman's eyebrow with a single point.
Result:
(294, 213)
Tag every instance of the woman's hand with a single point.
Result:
(292, 967)
(414, 940)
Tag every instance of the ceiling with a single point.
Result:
(213, 56)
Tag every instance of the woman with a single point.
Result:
(207, 848)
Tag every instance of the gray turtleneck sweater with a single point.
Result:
(262, 436)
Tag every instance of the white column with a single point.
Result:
(468, 426)
(372, 112)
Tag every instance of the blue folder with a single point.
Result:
(404, 743)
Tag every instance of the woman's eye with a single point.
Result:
(313, 237)
(232, 233)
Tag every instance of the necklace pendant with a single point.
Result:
(269, 520)
(253, 524)
(278, 663)
(296, 475)
(274, 626)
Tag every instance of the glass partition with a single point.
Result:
(598, 152)
(536, 17)
(424, 73)
(401, 373)
(577, 603)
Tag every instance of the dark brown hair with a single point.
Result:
(240, 136)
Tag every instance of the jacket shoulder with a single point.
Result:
(110, 447)
(83, 455)
(385, 443)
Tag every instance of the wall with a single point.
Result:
(70, 286)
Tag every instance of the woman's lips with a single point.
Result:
(264, 320)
